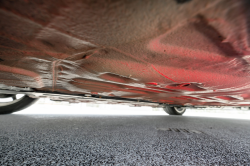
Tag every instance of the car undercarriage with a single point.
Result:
(170, 54)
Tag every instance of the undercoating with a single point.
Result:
(175, 52)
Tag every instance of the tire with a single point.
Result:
(174, 110)
(16, 105)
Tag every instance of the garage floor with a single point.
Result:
(123, 140)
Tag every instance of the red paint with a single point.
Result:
(152, 83)
(226, 98)
(162, 74)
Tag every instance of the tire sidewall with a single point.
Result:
(25, 102)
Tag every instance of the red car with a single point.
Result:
(161, 53)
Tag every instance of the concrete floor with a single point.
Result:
(123, 140)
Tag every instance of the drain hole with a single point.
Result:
(182, 1)
(184, 85)
(1, 60)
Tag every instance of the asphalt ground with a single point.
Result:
(123, 140)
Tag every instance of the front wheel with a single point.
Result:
(16, 104)
(174, 110)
